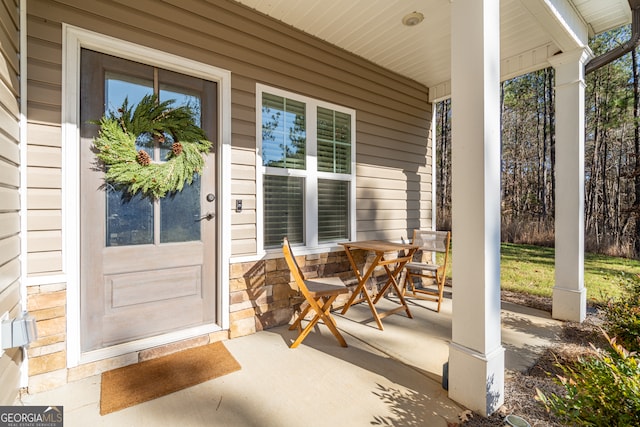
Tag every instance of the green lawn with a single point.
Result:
(530, 269)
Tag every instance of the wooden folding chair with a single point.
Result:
(319, 294)
(428, 241)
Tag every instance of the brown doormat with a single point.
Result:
(148, 380)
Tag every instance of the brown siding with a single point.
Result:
(11, 359)
(393, 115)
(393, 121)
(44, 147)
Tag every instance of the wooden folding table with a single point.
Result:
(380, 248)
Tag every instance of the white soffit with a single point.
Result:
(531, 30)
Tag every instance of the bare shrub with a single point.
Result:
(608, 245)
(528, 232)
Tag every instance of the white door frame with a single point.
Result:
(73, 39)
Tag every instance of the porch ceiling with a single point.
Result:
(532, 31)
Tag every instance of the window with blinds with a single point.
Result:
(334, 141)
(283, 209)
(283, 132)
(333, 210)
(307, 174)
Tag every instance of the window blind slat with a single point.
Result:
(283, 210)
(333, 210)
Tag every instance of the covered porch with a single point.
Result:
(390, 377)
(463, 50)
(388, 73)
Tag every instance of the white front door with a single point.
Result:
(147, 267)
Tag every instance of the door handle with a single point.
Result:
(208, 216)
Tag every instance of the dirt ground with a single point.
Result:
(520, 388)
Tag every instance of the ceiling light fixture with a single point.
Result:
(412, 19)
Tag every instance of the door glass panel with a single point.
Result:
(180, 211)
(180, 214)
(129, 220)
(119, 86)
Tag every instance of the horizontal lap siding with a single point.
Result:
(243, 172)
(11, 359)
(44, 152)
(393, 115)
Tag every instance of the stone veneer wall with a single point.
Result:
(262, 295)
(48, 355)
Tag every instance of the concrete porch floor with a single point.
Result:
(390, 377)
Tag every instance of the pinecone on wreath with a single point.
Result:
(176, 147)
(143, 158)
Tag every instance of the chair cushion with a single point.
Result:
(421, 266)
(326, 286)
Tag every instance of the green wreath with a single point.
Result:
(133, 170)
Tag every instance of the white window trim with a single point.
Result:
(74, 39)
(311, 172)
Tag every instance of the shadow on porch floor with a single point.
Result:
(390, 377)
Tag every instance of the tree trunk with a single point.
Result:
(636, 152)
(552, 142)
(545, 124)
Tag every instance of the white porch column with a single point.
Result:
(476, 355)
(569, 293)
